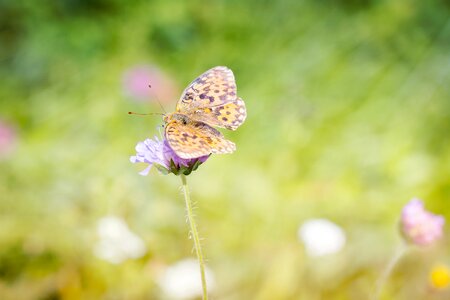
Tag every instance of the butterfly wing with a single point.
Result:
(215, 87)
(192, 139)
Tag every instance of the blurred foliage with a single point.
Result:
(348, 118)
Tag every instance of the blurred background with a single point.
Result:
(348, 119)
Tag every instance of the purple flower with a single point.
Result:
(150, 152)
(419, 226)
(136, 83)
(158, 153)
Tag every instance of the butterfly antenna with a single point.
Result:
(148, 114)
(159, 102)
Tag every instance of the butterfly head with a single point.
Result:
(176, 117)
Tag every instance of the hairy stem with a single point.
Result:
(194, 234)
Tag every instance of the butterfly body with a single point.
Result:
(176, 117)
(209, 101)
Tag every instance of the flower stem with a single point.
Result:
(194, 233)
(401, 250)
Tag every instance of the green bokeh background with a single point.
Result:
(348, 118)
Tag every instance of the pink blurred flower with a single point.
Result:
(8, 139)
(136, 81)
(419, 226)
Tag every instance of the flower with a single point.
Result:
(117, 242)
(440, 277)
(136, 81)
(419, 226)
(8, 139)
(158, 153)
(182, 280)
(152, 153)
(321, 237)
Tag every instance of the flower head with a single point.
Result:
(321, 237)
(158, 153)
(419, 226)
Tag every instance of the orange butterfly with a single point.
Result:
(210, 100)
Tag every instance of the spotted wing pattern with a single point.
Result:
(230, 115)
(214, 87)
(193, 139)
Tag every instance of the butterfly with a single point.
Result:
(209, 101)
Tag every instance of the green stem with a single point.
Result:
(194, 233)
(388, 270)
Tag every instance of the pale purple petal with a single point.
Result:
(150, 152)
(141, 147)
(145, 171)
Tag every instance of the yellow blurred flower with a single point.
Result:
(440, 277)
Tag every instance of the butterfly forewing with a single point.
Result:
(214, 87)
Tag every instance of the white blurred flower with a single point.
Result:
(321, 237)
(182, 280)
(117, 242)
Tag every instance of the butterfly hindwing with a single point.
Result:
(191, 139)
(230, 115)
